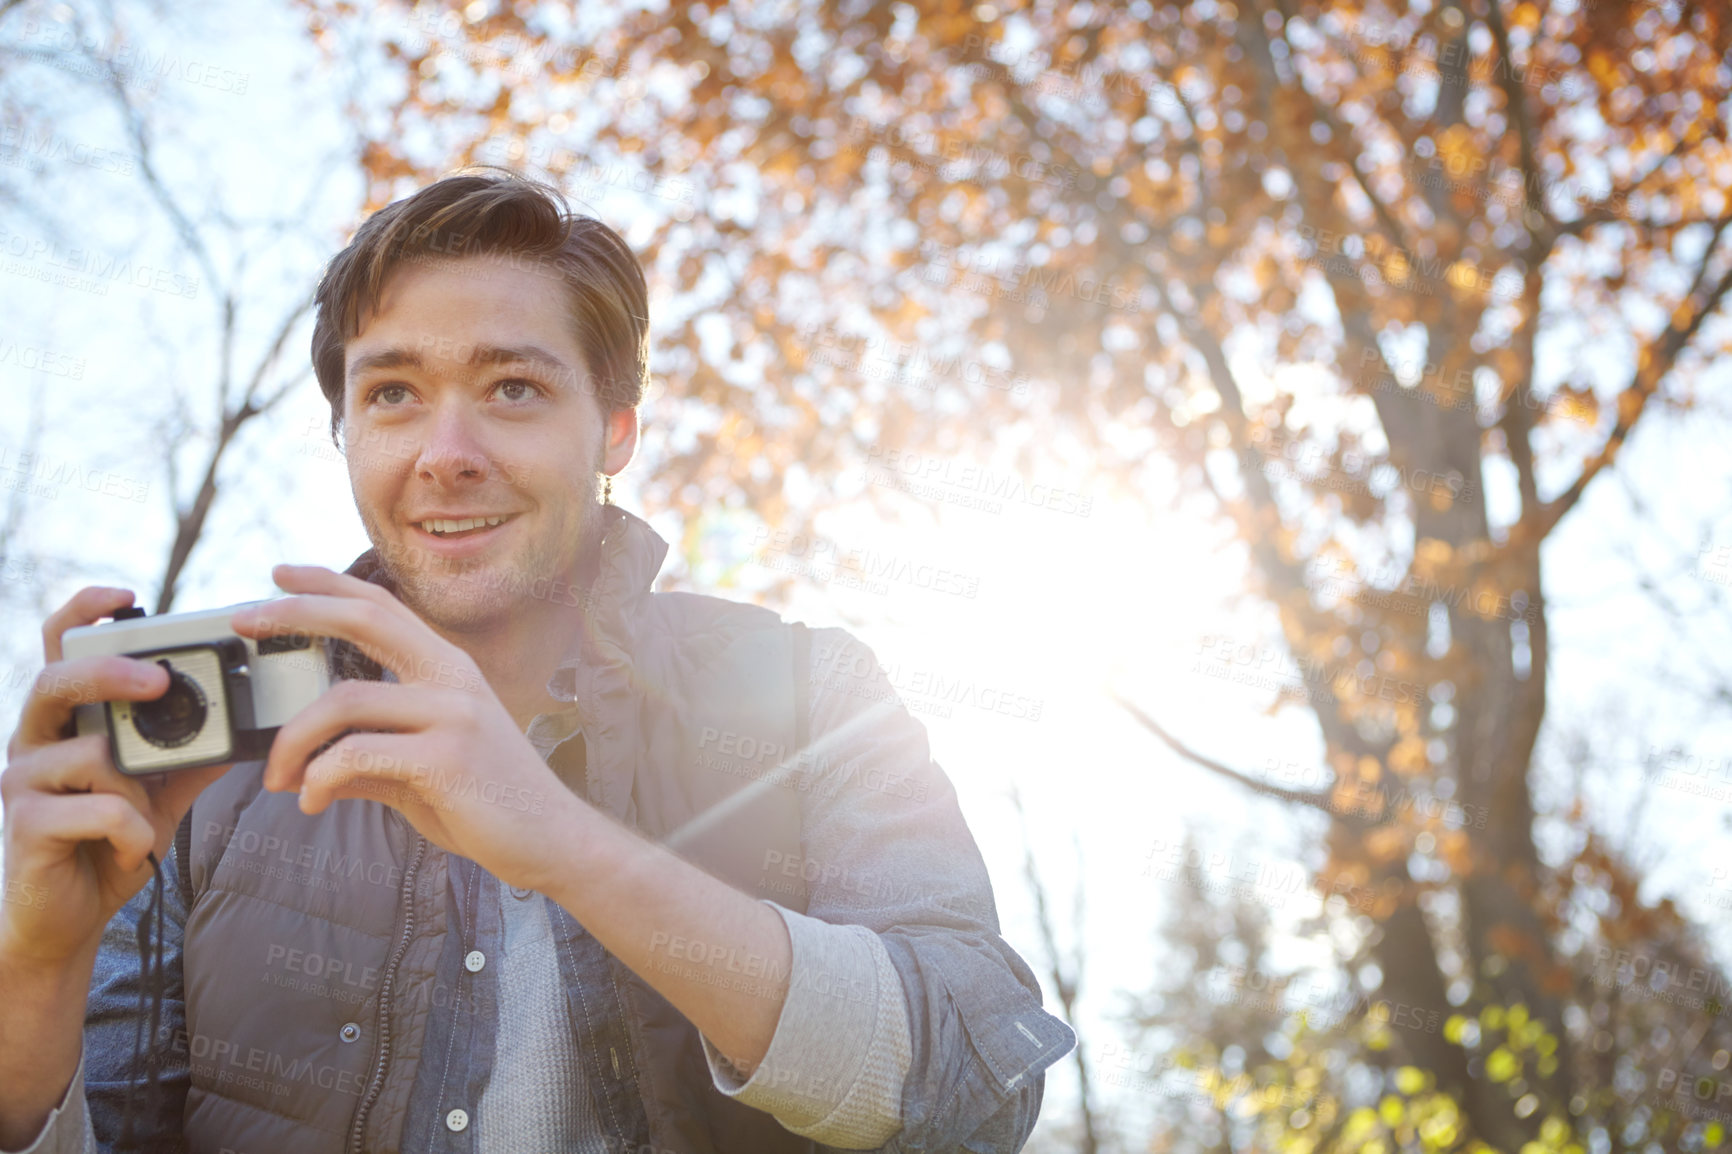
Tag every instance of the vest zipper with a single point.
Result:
(374, 1088)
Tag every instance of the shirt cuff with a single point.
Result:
(841, 1051)
(68, 1129)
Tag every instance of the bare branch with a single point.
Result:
(15, 504)
(275, 397)
(1318, 801)
(1515, 101)
(1343, 136)
(1653, 363)
(1602, 214)
(1518, 420)
(140, 133)
(269, 360)
(1064, 984)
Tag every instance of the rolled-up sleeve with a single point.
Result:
(889, 850)
(93, 1114)
(835, 1067)
(68, 1128)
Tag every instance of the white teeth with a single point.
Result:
(448, 526)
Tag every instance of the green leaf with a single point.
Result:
(1501, 1065)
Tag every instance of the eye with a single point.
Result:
(517, 389)
(396, 390)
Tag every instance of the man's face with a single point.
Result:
(466, 397)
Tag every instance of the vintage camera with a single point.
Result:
(227, 694)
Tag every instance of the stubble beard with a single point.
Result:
(460, 595)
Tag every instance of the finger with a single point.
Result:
(388, 767)
(79, 765)
(63, 685)
(348, 705)
(87, 606)
(318, 579)
(67, 819)
(172, 794)
(392, 637)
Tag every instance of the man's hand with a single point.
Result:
(438, 746)
(78, 831)
(452, 760)
(78, 835)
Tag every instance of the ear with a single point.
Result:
(619, 443)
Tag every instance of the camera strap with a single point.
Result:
(183, 860)
(153, 979)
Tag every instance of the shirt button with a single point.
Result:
(474, 961)
(349, 1032)
(457, 1120)
(521, 892)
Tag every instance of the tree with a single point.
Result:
(109, 145)
(1343, 267)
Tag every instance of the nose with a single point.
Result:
(451, 453)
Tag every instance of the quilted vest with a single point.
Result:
(313, 943)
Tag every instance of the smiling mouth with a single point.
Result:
(446, 529)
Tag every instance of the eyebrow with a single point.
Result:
(403, 358)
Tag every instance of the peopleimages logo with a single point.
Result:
(1261, 666)
(1392, 585)
(1284, 454)
(22, 893)
(966, 160)
(101, 266)
(870, 568)
(127, 62)
(49, 475)
(850, 670)
(318, 860)
(1090, 81)
(1040, 282)
(20, 141)
(37, 359)
(921, 471)
(224, 1060)
(880, 356)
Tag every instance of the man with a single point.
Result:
(581, 867)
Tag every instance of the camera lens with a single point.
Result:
(177, 716)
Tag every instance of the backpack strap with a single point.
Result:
(183, 859)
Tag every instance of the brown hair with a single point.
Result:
(522, 222)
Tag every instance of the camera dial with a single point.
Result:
(177, 716)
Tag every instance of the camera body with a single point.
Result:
(227, 696)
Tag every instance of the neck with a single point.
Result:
(519, 655)
(519, 652)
